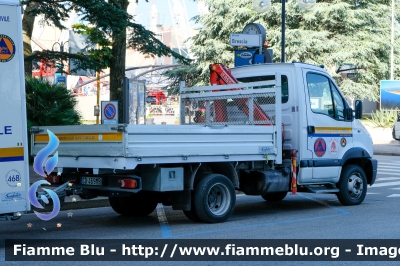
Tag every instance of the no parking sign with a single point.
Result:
(109, 112)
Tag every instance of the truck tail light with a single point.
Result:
(53, 179)
(127, 183)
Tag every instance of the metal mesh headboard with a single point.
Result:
(252, 103)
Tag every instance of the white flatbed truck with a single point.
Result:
(285, 128)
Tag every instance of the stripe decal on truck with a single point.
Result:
(11, 154)
(82, 137)
(332, 132)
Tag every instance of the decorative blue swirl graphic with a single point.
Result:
(49, 167)
(32, 198)
(44, 153)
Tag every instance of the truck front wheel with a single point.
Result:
(134, 205)
(214, 198)
(352, 185)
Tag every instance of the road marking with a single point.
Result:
(393, 195)
(165, 229)
(388, 167)
(386, 184)
(340, 213)
(391, 164)
(385, 169)
(388, 173)
(387, 178)
(398, 188)
(371, 193)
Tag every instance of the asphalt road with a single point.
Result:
(300, 216)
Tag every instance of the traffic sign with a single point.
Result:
(109, 112)
(61, 80)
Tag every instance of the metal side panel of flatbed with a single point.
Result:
(81, 140)
(158, 144)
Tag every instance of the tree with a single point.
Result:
(110, 21)
(27, 27)
(49, 104)
(334, 33)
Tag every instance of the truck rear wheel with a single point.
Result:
(275, 196)
(214, 198)
(133, 205)
(352, 185)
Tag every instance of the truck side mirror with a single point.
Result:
(358, 109)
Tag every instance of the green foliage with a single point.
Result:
(49, 105)
(333, 33)
(106, 19)
(385, 119)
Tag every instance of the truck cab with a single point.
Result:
(319, 124)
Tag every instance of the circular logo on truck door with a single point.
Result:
(343, 142)
(7, 48)
(320, 147)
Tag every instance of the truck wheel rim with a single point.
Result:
(355, 186)
(218, 199)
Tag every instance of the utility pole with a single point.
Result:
(98, 91)
(392, 45)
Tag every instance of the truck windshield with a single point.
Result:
(284, 81)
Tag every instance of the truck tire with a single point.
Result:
(352, 185)
(214, 198)
(134, 205)
(116, 205)
(275, 196)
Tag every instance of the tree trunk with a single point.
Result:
(27, 27)
(117, 64)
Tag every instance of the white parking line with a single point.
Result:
(388, 173)
(386, 184)
(387, 178)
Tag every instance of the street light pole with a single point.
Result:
(283, 31)
(262, 6)
(392, 45)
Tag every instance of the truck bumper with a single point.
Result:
(374, 170)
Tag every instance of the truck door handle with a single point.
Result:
(310, 129)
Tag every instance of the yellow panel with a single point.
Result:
(82, 137)
(333, 130)
(11, 152)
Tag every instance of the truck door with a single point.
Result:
(329, 132)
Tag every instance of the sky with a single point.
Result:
(165, 7)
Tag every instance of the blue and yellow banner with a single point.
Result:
(11, 154)
(332, 132)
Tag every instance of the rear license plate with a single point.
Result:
(90, 180)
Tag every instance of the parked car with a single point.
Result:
(151, 100)
(396, 128)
